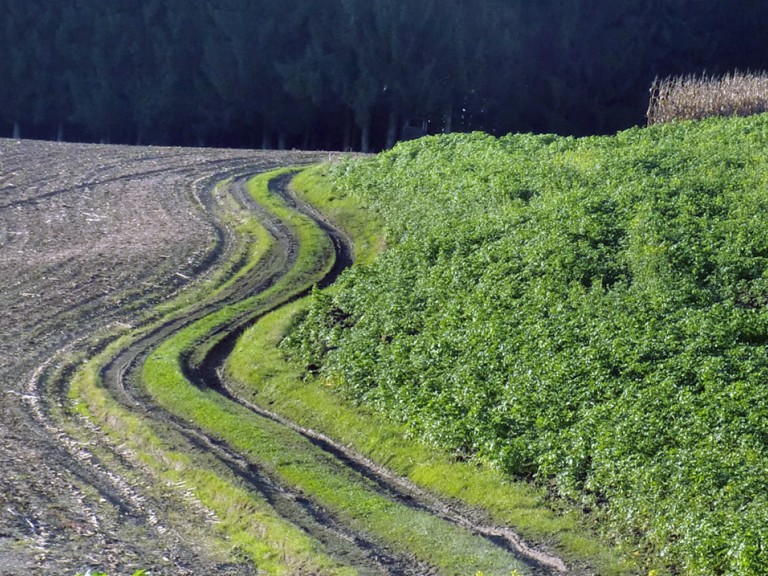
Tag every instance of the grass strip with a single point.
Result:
(246, 520)
(252, 242)
(263, 375)
(345, 212)
(299, 464)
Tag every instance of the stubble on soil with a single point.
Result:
(93, 236)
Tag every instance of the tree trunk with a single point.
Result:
(16, 130)
(363, 121)
(348, 132)
(365, 138)
(282, 141)
(392, 127)
(60, 132)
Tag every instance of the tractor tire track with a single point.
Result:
(210, 373)
(350, 547)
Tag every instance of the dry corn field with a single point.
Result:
(695, 97)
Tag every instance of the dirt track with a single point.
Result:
(92, 236)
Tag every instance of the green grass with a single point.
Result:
(346, 212)
(248, 524)
(264, 376)
(251, 242)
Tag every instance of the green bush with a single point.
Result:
(590, 313)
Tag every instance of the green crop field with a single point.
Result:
(589, 314)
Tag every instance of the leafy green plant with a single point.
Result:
(587, 313)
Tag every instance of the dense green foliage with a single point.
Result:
(349, 73)
(590, 313)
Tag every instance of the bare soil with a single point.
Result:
(93, 236)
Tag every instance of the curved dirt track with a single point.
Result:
(93, 236)
(366, 556)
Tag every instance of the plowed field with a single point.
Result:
(93, 236)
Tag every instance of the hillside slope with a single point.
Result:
(588, 313)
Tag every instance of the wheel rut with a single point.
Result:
(121, 376)
(348, 545)
(210, 373)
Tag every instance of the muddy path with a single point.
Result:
(122, 377)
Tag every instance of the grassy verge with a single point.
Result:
(264, 376)
(246, 521)
(252, 242)
(346, 213)
(299, 464)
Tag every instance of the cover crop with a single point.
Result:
(590, 313)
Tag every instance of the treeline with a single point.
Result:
(351, 73)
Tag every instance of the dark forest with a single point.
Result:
(352, 74)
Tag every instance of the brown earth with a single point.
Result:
(93, 236)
